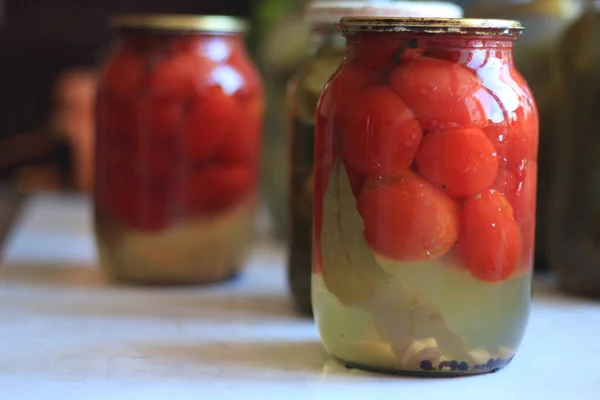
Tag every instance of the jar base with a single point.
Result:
(425, 374)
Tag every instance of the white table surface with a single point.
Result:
(65, 334)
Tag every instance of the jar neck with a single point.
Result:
(360, 44)
(144, 41)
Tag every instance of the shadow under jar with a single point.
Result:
(425, 183)
(179, 118)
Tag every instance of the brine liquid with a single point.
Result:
(200, 250)
(488, 321)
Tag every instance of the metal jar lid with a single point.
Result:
(456, 26)
(216, 24)
(330, 12)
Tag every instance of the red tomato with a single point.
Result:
(138, 204)
(252, 82)
(523, 202)
(321, 176)
(516, 141)
(380, 136)
(357, 180)
(214, 189)
(345, 86)
(209, 122)
(317, 258)
(382, 54)
(181, 76)
(514, 121)
(243, 143)
(506, 182)
(442, 95)
(123, 75)
(460, 161)
(407, 219)
(490, 246)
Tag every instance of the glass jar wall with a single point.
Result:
(303, 93)
(424, 191)
(574, 219)
(536, 57)
(179, 121)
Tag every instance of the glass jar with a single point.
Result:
(178, 135)
(574, 219)
(303, 93)
(424, 190)
(535, 55)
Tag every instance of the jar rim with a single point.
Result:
(181, 22)
(456, 26)
(330, 12)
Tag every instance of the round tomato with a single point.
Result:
(515, 141)
(490, 246)
(344, 88)
(181, 76)
(460, 161)
(209, 122)
(321, 176)
(379, 134)
(407, 219)
(382, 54)
(214, 188)
(506, 182)
(523, 202)
(138, 204)
(442, 95)
(243, 143)
(357, 180)
(251, 81)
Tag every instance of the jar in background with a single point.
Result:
(424, 189)
(303, 93)
(178, 135)
(535, 56)
(574, 218)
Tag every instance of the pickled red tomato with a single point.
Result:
(382, 54)
(181, 76)
(443, 95)
(407, 219)
(357, 180)
(523, 202)
(460, 161)
(490, 245)
(210, 120)
(344, 87)
(516, 141)
(137, 203)
(380, 135)
(243, 142)
(506, 182)
(214, 188)
(321, 175)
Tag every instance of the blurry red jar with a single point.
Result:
(179, 120)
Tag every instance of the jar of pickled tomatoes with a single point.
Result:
(179, 117)
(425, 182)
(303, 93)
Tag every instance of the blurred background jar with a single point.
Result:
(574, 228)
(304, 88)
(281, 38)
(544, 22)
(179, 120)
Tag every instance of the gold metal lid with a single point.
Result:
(457, 26)
(173, 22)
